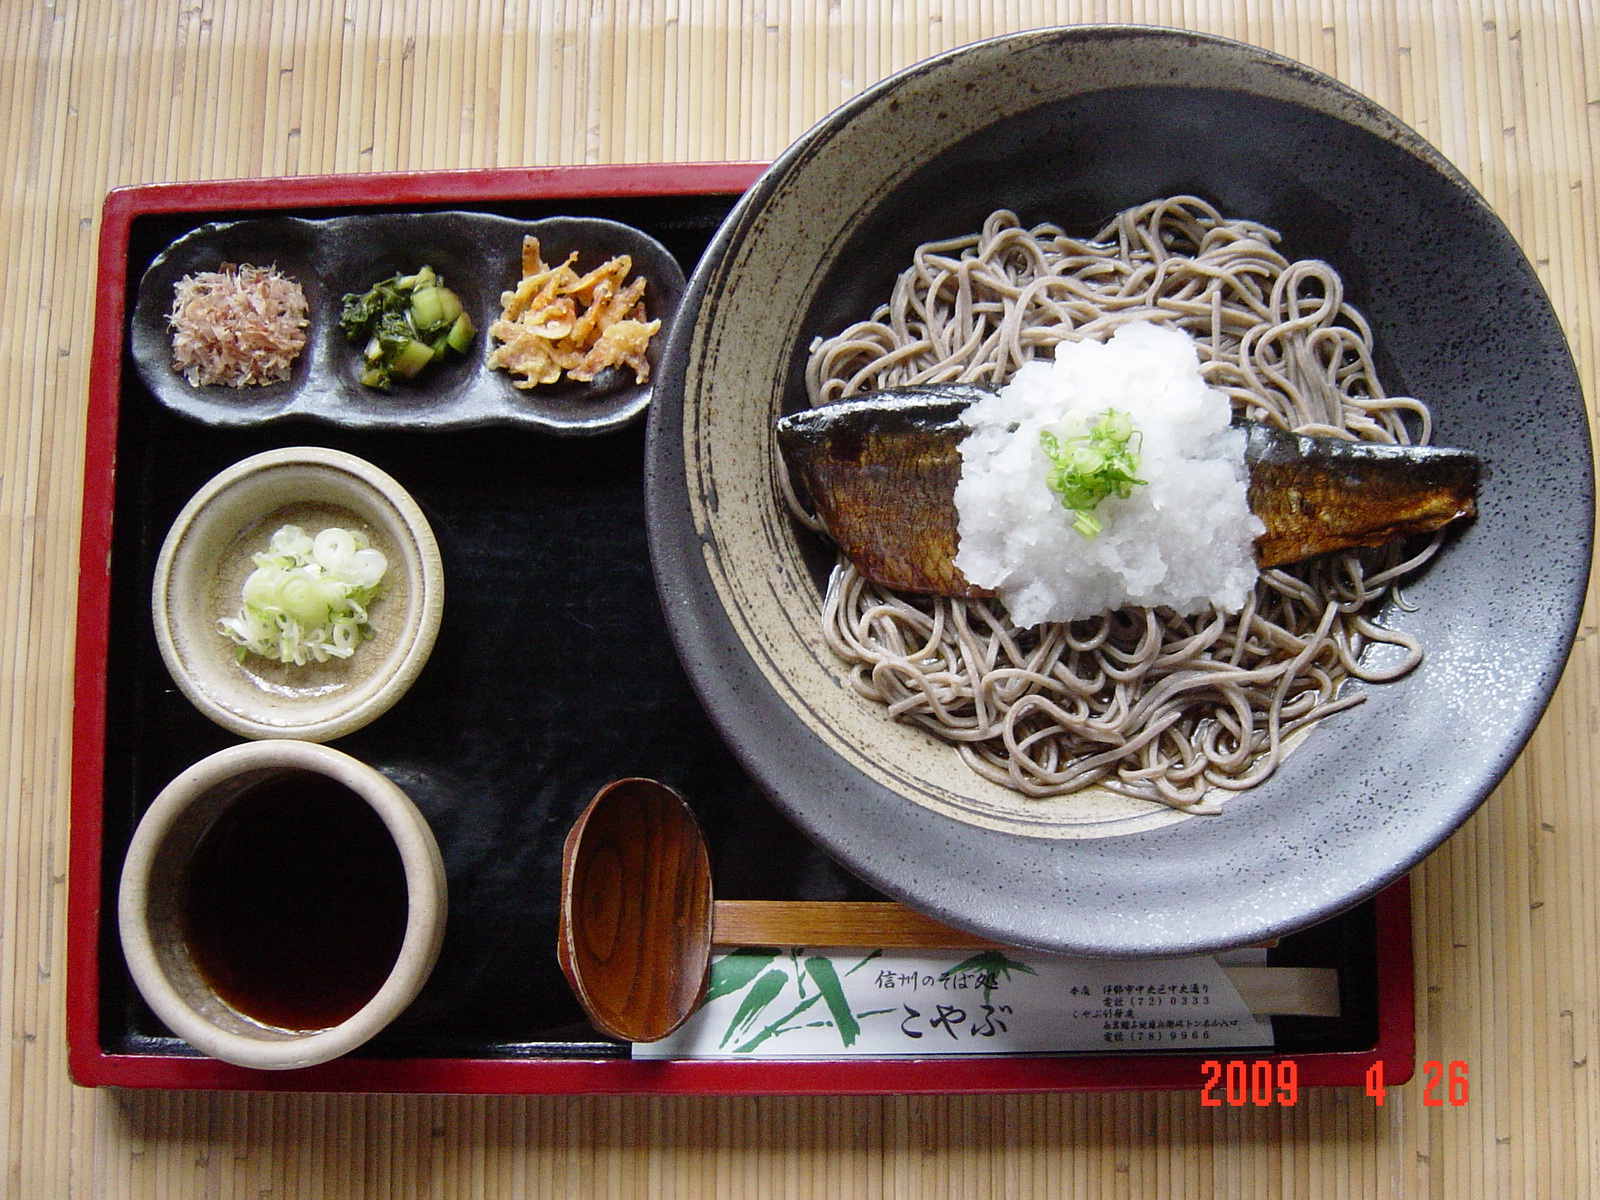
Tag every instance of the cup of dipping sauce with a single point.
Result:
(281, 902)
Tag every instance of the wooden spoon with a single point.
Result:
(637, 921)
(635, 924)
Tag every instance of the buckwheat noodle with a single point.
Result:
(1141, 702)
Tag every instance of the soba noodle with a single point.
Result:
(1141, 702)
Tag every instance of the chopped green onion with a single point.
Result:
(307, 598)
(1086, 470)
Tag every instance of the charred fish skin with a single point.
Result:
(1318, 494)
(881, 471)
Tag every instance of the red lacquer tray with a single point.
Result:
(511, 727)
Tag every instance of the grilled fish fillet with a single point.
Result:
(881, 472)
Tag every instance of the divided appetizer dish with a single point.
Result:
(321, 369)
(1029, 767)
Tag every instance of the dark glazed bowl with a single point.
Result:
(479, 256)
(1070, 126)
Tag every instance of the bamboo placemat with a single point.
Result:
(97, 95)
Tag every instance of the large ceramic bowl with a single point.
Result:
(1070, 126)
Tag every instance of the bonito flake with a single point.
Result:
(238, 326)
(557, 321)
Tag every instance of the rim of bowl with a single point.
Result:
(426, 902)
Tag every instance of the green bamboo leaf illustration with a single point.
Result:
(736, 970)
(864, 962)
(993, 964)
(762, 993)
(990, 960)
(781, 1025)
(827, 980)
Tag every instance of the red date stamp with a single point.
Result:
(1438, 1085)
(1264, 1083)
(1261, 1083)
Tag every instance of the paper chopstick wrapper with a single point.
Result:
(807, 1003)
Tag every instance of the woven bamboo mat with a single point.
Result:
(97, 95)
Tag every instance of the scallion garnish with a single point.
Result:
(307, 599)
(1090, 468)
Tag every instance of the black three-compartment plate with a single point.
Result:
(477, 254)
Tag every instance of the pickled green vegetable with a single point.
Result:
(406, 322)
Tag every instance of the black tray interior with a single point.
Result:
(553, 674)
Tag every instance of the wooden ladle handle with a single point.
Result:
(842, 924)
(636, 920)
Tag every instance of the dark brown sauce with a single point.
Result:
(295, 903)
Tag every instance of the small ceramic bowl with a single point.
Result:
(153, 901)
(207, 557)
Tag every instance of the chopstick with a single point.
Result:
(1266, 991)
